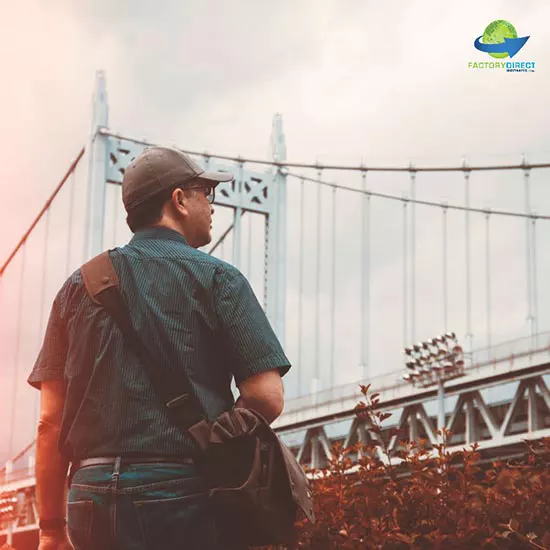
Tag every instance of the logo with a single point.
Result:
(500, 41)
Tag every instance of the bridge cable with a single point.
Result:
(488, 274)
(445, 272)
(362, 168)
(333, 287)
(467, 244)
(423, 202)
(412, 175)
(42, 301)
(301, 288)
(70, 232)
(41, 213)
(17, 351)
(405, 274)
(528, 275)
(317, 358)
(535, 283)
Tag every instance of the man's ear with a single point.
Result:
(179, 200)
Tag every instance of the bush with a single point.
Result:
(438, 500)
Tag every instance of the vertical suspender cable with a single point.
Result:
(237, 222)
(535, 282)
(527, 192)
(266, 259)
(249, 251)
(445, 274)
(70, 224)
(488, 275)
(270, 227)
(17, 350)
(116, 206)
(469, 335)
(301, 288)
(413, 253)
(317, 354)
(333, 287)
(43, 297)
(364, 336)
(405, 280)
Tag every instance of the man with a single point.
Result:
(134, 483)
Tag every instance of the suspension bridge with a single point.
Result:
(351, 263)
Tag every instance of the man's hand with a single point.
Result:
(52, 540)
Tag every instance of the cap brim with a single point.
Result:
(216, 177)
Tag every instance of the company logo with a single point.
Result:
(500, 41)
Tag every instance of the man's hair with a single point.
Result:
(148, 213)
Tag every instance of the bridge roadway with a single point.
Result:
(502, 400)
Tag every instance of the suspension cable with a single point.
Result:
(418, 201)
(315, 166)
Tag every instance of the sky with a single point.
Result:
(356, 81)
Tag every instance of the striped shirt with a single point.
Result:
(197, 314)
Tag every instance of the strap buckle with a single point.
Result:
(177, 401)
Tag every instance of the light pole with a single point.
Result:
(433, 362)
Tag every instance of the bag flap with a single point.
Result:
(299, 482)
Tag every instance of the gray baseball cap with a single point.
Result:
(160, 169)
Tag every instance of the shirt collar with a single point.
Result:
(158, 232)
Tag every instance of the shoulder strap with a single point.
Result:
(99, 274)
(102, 285)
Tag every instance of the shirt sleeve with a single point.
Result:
(244, 327)
(50, 364)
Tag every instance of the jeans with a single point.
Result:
(141, 507)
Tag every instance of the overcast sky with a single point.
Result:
(386, 83)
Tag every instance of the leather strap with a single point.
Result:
(98, 275)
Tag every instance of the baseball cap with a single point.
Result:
(160, 169)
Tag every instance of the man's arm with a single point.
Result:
(253, 350)
(51, 467)
(263, 393)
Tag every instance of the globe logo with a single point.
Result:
(500, 40)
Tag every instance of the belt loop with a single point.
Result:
(116, 472)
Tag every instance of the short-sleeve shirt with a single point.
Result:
(195, 313)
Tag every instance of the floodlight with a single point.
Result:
(417, 347)
(408, 351)
(411, 364)
(450, 335)
(457, 350)
(459, 364)
(407, 377)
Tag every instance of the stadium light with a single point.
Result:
(432, 363)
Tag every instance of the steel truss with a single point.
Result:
(497, 426)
